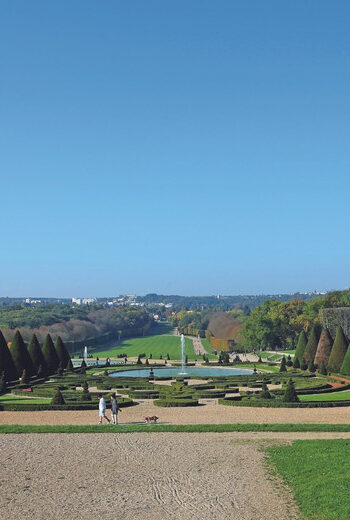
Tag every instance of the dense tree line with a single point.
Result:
(19, 315)
(73, 323)
(17, 360)
(222, 303)
(320, 351)
(277, 325)
(186, 321)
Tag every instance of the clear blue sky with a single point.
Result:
(189, 147)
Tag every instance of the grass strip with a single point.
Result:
(185, 428)
(318, 473)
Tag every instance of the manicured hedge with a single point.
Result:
(123, 403)
(280, 404)
(143, 394)
(167, 403)
(210, 395)
(327, 390)
(203, 387)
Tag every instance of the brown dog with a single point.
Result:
(151, 418)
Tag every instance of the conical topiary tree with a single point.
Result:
(58, 398)
(345, 368)
(3, 386)
(301, 346)
(311, 367)
(50, 355)
(324, 348)
(283, 366)
(264, 394)
(69, 366)
(290, 395)
(20, 356)
(61, 351)
(36, 355)
(323, 370)
(86, 396)
(340, 346)
(311, 347)
(6, 362)
(296, 363)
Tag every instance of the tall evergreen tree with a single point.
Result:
(36, 355)
(6, 362)
(50, 355)
(311, 347)
(324, 348)
(340, 346)
(301, 346)
(20, 356)
(345, 368)
(61, 351)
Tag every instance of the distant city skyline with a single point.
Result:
(191, 148)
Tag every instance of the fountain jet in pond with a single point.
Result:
(182, 355)
(85, 355)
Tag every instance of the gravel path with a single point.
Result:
(163, 476)
(209, 414)
(197, 346)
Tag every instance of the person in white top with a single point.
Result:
(102, 409)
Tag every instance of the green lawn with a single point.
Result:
(195, 428)
(259, 366)
(318, 472)
(155, 345)
(14, 399)
(206, 344)
(331, 396)
(276, 355)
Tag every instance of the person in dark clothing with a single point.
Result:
(114, 409)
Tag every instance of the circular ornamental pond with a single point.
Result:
(185, 372)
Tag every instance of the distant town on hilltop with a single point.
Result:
(218, 301)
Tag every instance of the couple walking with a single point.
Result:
(102, 410)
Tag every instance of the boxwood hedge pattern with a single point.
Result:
(178, 393)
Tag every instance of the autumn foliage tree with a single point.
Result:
(324, 348)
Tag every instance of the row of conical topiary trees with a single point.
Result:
(319, 350)
(35, 360)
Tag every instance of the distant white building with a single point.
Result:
(29, 301)
(84, 301)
